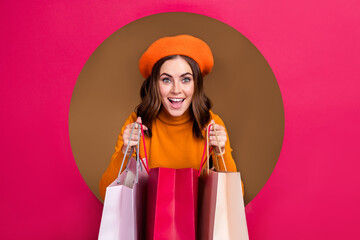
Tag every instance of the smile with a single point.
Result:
(176, 100)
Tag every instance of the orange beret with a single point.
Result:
(183, 44)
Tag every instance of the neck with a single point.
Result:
(166, 117)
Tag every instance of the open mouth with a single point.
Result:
(176, 102)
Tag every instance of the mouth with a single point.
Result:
(176, 102)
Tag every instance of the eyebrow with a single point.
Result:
(180, 75)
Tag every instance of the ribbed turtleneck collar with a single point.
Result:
(165, 117)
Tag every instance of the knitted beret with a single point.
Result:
(187, 45)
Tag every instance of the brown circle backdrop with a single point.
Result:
(242, 87)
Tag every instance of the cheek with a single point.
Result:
(189, 94)
(163, 91)
(190, 91)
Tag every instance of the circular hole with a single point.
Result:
(241, 86)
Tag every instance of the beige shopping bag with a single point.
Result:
(221, 204)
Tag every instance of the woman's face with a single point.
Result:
(176, 85)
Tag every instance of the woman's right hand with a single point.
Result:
(134, 138)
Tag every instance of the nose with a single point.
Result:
(176, 87)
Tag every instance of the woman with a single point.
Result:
(174, 109)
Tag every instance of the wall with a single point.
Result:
(312, 48)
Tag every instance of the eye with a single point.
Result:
(166, 80)
(186, 80)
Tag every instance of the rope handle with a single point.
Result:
(146, 158)
(202, 159)
(127, 148)
(206, 148)
(221, 152)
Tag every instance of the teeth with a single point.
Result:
(176, 99)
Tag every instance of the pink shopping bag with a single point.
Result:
(124, 211)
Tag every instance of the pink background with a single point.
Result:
(313, 48)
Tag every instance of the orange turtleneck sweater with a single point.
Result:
(172, 145)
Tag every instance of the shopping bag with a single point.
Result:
(124, 211)
(221, 204)
(172, 204)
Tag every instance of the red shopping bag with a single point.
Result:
(172, 204)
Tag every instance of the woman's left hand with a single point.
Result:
(221, 135)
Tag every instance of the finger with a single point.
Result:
(139, 120)
(218, 127)
(127, 133)
(133, 143)
(212, 122)
(129, 127)
(130, 149)
(138, 132)
(218, 133)
(215, 144)
(134, 138)
(127, 141)
(220, 139)
(209, 126)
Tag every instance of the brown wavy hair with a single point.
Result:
(150, 104)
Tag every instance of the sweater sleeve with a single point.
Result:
(112, 171)
(229, 161)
